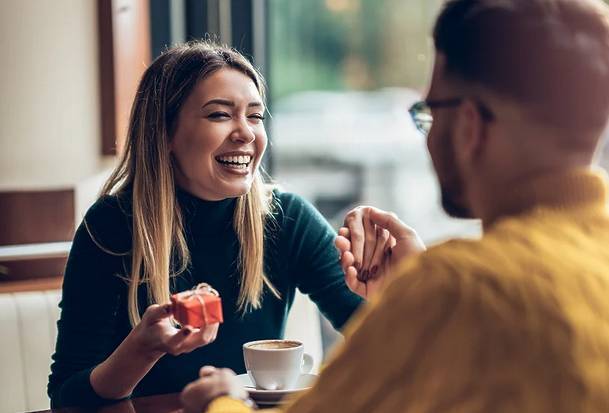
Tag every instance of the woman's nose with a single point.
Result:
(243, 133)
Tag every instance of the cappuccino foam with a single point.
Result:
(274, 345)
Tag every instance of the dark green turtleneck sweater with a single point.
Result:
(299, 253)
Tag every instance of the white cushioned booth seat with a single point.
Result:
(28, 320)
(27, 341)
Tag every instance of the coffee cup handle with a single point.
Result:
(307, 363)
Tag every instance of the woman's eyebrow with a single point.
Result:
(226, 102)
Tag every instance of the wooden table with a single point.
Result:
(164, 403)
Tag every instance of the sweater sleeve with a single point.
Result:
(314, 259)
(91, 299)
(226, 404)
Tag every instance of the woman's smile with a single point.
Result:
(237, 163)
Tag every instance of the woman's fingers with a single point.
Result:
(346, 261)
(346, 256)
(343, 232)
(199, 338)
(342, 244)
(156, 313)
(164, 337)
(207, 371)
(382, 243)
(175, 343)
(352, 280)
(357, 235)
(370, 243)
(209, 333)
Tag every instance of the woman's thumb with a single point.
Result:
(156, 312)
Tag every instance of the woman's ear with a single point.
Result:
(470, 131)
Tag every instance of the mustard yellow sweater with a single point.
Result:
(517, 321)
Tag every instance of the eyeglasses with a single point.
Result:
(421, 115)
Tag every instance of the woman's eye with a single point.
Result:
(256, 116)
(218, 115)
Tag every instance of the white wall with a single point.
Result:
(49, 93)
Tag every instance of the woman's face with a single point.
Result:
(220, 137)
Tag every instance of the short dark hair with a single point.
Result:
(553, 54)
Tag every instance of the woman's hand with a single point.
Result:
(371, 243)
(211, 384)
(151, 339)
(156, 336)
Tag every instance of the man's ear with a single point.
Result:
(470, 131)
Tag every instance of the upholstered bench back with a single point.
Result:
(27, 340)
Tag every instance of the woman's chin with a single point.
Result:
(235, 191)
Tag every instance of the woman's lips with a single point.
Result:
(236, 168)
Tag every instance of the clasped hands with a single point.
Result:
(370, 244)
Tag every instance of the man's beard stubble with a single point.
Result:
(452, 207)
(452, 187)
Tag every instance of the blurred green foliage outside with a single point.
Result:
(350, 44)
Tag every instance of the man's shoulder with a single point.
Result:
(509, 242)
(460, 255)
(459, 265)
(519, 260)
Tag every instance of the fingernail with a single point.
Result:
(373, 270)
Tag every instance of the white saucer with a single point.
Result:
(273, 397)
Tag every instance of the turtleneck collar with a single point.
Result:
(205, 216)
(581, 187)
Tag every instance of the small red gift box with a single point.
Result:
(198, 307)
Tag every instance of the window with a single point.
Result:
(343, 74)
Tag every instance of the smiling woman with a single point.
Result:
(220, 138)
(187, 205)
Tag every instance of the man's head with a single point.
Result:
(529, 80)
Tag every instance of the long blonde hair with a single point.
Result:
(159, 249)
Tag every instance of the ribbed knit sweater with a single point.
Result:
(517, 321)
(299, 254)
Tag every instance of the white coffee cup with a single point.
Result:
(276, 364)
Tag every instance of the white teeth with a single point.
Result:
(241, 160)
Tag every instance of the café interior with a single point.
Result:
(69, 75)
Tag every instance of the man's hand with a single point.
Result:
(371, 242)
(212, 383)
